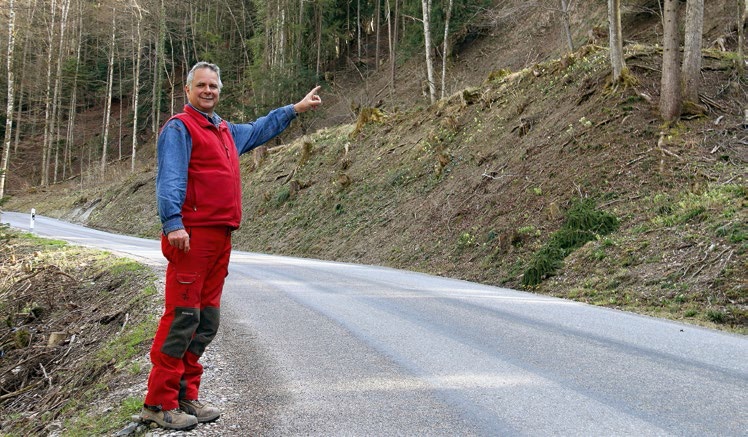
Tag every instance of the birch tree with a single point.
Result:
(108, 101)
(158, 67)
(9, 106)
(670, 89)
(692, 50)
(742, 13)
(426, 7)
(445, 51)
(136, 82)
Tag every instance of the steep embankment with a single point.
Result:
(479, 185)
(475, 186)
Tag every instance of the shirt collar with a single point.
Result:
(215, 119)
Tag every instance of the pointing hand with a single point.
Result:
(310, 101)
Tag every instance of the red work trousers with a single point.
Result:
(194, 282)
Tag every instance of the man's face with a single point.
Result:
(204, 92)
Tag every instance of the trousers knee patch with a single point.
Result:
(206, 330)
(180, 334)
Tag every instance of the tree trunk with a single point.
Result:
(445, 52)
(19, 111)
(159, 68)
(58, 123)
(245, 50)
(392, 27)
(193, 26)
(172, 78)
(136, 84)
(299, 45)
(742, 12)
(67, 157)
(46, 142)
(281, 56)
(358, 28)
(9, 107)
(376, 24)
(119, 94)
(426, 7)
(616, 39)
(318, 31)
(108, 102)
(567, 29)
(58, 79)
(670, 94)
(692, 50)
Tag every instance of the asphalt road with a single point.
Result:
(361, 350)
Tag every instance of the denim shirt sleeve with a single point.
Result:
(174, 149)
(250, 135)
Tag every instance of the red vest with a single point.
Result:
(214, 193)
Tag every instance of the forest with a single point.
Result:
(124, 60)
(126, 57)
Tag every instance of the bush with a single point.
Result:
(583, 223)
(716, 316)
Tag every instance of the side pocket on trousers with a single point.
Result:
(186, 292)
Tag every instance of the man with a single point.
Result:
(198, 190)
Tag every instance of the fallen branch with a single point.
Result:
(127, 317)
(635, 160)
(22, 362)
(662, 148)
(667, 152)
(494, 174)
(46, 376)
(726, 260)
(703, 266)
(712, 103)
(60, 272)
(21, 391)
(72, 342)
(621, 200)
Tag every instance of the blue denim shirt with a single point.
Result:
(175, 148)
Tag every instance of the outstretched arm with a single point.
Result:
(247, 136)
(310, 101)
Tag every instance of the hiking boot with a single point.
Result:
(171, 419)
(203, 412)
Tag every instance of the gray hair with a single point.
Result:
(203, 64)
